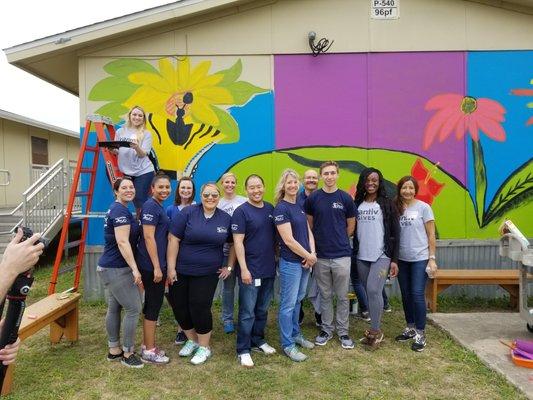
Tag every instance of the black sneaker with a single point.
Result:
(420, 342)
(133, 361)
(387, 308)
(364, 315)
(115, 357)
(181, 338)
(322, 338)
(407, 334)
(318, 319)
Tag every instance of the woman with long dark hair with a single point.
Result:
(120, 275)
(152, 260)
(185, 192)
(375, 246)
(417, 252)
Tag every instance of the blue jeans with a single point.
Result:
(228, 294)
(293, 284)
(360, 291)
(142, 185)
(412, 278)
(253, 312)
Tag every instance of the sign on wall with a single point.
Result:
(384, 9)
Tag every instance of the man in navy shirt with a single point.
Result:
(254, 237)
(331, 215)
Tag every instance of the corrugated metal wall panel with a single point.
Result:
(451, 254)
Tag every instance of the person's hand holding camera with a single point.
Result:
(20, 256)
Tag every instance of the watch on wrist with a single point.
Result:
(229, 268)
(432, 258)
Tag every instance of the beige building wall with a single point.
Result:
(281, 27)
(15, 156)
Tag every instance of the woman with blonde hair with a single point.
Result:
(297, 256)
(229, 202)
(133, 161)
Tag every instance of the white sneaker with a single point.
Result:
(267, 349)
(201, 355)
(246, 360)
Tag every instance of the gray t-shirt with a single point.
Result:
(229, 206)
(414, 244)
(370, 231)
(128, 160)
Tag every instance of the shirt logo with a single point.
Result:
(270, 216)
(279, 218)
(121, 220)
(222, 229)
(234, 227)
(148, 217)
(337, 205)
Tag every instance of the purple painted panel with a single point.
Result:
(321, 100)
(400, 84)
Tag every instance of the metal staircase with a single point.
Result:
(42, 206)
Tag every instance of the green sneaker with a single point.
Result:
(188, 349)
(294, 354)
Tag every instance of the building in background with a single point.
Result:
(441, 90)
(27, 149)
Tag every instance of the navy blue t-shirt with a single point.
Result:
(152, 213)
(257, 225)
(286, 212)
(117, 215)
(300, 199)
(201, 240)
(330, 212)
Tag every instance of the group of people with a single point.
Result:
(183, 251)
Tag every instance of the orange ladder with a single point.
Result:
(101, 125)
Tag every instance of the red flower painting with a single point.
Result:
(525, 92)
(428, 187)
(461, 114)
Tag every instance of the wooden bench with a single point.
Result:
(508, 279)
(60, 311)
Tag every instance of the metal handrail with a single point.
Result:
(43, 203)
(43, 177)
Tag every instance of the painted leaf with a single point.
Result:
(112, 89)
(480, 177)
(516, 190)
(114, 110)
(243, 91)
(227, 125)
(125, 66)
(231, 74)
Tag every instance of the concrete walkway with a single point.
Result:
(481, 333)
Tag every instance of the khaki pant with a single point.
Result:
(333, 278)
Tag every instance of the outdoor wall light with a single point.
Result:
(322, 46)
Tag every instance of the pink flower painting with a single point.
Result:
(461, 114)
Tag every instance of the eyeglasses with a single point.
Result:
(207, 195)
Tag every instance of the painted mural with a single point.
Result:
(460, 122)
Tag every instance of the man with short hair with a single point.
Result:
(310, 183)
(331, 215)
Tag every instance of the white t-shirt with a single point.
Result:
(414, 244)
(229, 206)
(370, 231)
(128, 160)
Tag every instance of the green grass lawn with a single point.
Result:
(80, 370)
